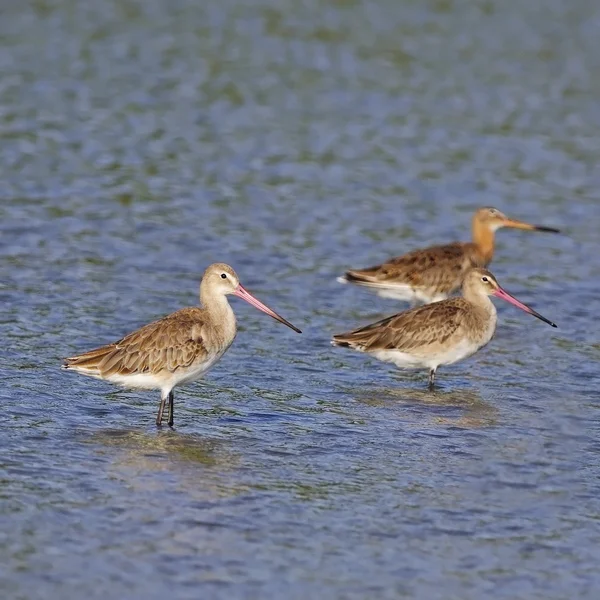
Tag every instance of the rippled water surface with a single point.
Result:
(141, 141)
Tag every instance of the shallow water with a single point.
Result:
(141, 141)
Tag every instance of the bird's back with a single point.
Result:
(438, 270)
(418, 330)
(174, 342)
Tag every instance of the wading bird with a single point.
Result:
(434, 273)
(436, 334)
(177, 349)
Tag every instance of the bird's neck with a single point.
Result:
(483, 239)
(482, 318)
(481, 301)
(218, 308)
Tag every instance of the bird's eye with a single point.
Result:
(223, 276)
(485, 279)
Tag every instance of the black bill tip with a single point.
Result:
(291, 326)
(541, 318)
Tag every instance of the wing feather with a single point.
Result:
(173, 342)
(439, 267)
(409, 331)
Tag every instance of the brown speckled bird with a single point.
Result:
(432, 274)
(437, 334)
(177, 349)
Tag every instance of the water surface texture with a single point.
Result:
(142, 141)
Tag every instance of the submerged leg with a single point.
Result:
(163, 397)
(431, 379)
(171, 406)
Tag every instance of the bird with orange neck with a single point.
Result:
(434, 273)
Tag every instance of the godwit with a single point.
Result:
(437, 334)
(432, 274)
(177, 349)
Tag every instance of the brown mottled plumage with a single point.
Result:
(176, 349)
(171, 343)
(434, 273)
(437, 334)
(412, 330)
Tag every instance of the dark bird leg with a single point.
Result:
(161, 408)
(431, 379)
(171, 407)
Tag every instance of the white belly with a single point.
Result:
(165, 380)
(400, 291)
(196, 372)
(409, 294)
(406, 360)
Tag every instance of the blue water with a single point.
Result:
(142, 141)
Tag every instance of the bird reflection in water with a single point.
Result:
(475, 411)
(137, 457)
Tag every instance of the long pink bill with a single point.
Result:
(500, 293)
(244, 294)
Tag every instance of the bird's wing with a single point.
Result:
(408, 331)
(173, 342)
(439, 267)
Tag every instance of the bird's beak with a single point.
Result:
(514, 224)
(244, 294)
(500, 293)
